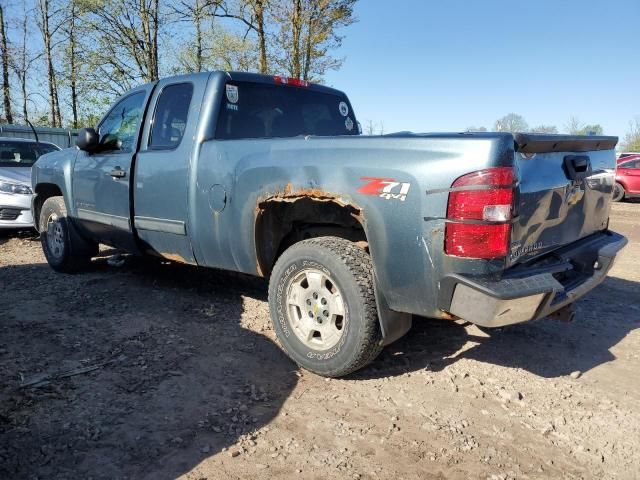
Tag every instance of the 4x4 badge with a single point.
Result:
(387, 188)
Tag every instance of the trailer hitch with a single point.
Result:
(565, 314)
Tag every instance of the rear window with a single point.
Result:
(22, 154)
(256, 110)
(170, 118)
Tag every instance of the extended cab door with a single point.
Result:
(101, 181)
(162, 167)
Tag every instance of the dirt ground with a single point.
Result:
(154, 371)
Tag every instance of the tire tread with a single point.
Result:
(76, 260)
(358, 263)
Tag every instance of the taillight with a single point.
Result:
(479, 214)
(294, 82)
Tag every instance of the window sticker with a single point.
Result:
(348, 123)
(344, 109)
(232, 93)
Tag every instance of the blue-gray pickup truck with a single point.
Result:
(270, 176)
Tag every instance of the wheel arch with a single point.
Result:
(285, 219)
(622, 182)
(43, 191)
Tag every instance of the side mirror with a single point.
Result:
(88, 140)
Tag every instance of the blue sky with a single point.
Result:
(427, 65)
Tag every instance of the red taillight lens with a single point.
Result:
(477, 241)
(484, 196)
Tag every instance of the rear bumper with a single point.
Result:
(532, 291)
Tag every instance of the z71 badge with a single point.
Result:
(387, 188)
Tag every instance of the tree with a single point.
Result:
(195, 12)
(511, 122)
(545, 129)
(83, 53)
(374, 128)
(253, 15)
(308, 33)
(125, 34)
(49, 23)
(593, 129)
(575, 127)
(71, 31)
(631, 141)
(23, 61)
(221, 50)
(6, 87)
(212, 45)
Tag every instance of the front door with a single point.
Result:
(101, 181)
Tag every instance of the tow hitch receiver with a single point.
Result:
(565, 314)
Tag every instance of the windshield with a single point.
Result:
(22, 154)
(256, 110)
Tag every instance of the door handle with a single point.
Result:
(118, 173)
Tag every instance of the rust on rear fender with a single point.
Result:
(274, 221)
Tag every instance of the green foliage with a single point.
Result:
(575, 127)
(221, 50)
(593, 129)
(551, 129)
(631, 141)
(307, 32)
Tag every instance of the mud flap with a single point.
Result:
(393, 325)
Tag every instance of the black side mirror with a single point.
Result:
(88, 140)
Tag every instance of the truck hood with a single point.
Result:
(20, 175)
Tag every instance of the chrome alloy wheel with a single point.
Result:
(55, 236)
(316, 310)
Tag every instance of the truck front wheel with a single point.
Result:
(63, 247)
(323, 306)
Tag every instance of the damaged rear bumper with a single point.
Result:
(535, 290)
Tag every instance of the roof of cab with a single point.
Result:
(276, 80)
(249, 77)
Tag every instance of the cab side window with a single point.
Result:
(118, 130)
(170, 117)
(635, 164)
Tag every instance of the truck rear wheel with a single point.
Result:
(65, 250)
(323, 306)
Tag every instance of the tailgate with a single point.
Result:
(564, 191)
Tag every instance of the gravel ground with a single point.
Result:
(151, 370)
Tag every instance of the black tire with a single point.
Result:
(348, 269)
(65, 250)
(618, 192)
